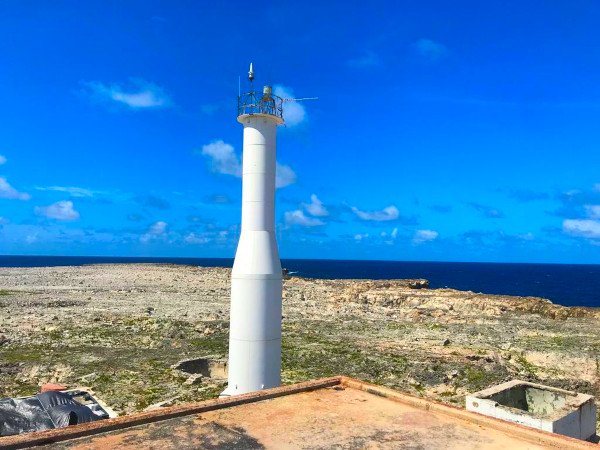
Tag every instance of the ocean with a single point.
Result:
(564, 284)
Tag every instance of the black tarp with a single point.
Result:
(22, 415)
(41, 412)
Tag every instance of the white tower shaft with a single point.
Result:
(256, 282)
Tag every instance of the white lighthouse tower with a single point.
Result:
(256, 282)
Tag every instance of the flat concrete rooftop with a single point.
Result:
(336, 412)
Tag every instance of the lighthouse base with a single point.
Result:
(255, 333)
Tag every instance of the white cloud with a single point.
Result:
(155, 231)
(7, 191)
(586, 228)
(369, 59)
(388, 213)
(487, 211)
(593, 211)
(391, 237)
(430, 50)
(315, 207)
(526, 237)
(72, 190)
(62, 210)
(158, 228)
(193, 238)
(582, 228)
(2, 160)
(223, 158)
(422, 236)
(298, 217)
(139, 94)
(284, 176)
(294, 113)
(360, 237)
(219, 237)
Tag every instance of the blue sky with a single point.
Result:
(451, 131)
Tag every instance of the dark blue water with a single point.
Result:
(565, 284)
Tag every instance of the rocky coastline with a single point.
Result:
(120, 329)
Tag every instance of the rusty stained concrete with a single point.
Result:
(331, 413)
(329, 417)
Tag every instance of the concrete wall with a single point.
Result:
(537, 406)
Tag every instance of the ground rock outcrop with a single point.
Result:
(121, 328)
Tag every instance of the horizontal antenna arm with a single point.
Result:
(299, 99)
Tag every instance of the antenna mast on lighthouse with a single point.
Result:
(251, 74)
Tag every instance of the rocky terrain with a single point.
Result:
(119, 329)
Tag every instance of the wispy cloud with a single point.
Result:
(526, 236)
(218, 199)
(386, 214)
(62, 210)
(495, 238)
(487, 211)
(315, 207)
(294, 113)
(2, 160)
(359, 237)
(593, 211)
(586, 223)
(585, 228)
(368, 59)
(7, 191)
(196, 238)
(196, 219)
(213, 236)
(430, 50)
(422, 236)
(136, 94)
(157, 230)
(389, 238)
(284, 176)
(573, 203)
(224, 160)
(298, 218)
(71, 190)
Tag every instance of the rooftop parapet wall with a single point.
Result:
(336, 411)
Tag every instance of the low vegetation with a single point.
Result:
(120, 329)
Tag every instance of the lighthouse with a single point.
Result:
(256, 281)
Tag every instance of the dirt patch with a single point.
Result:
(207, 367)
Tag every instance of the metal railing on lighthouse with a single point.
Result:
(260, 103)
